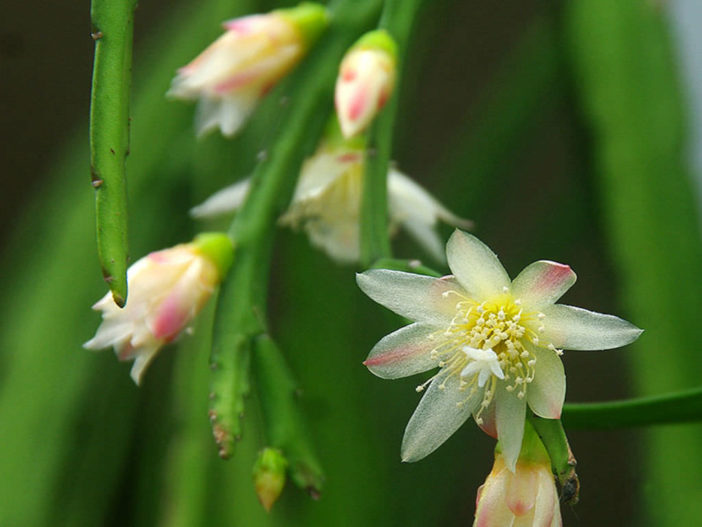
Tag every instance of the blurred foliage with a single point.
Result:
(83, 446)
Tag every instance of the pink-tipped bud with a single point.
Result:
(269, 476)
(167, 289)
(365, 82)
(242, 65)
(527, 496)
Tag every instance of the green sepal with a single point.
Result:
(218, 248)
(378, 39)
(309, 18)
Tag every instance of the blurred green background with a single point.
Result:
(560, 128)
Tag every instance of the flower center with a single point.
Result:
(487, 342)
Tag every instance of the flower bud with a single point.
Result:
(241, 66)
(526, 497)
(269, 476)
(167, 289)
(365, 82)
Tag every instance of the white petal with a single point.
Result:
(427, 237)
(546, 393)
(510, 413)
(418, 211)
(142, 361)
(110, 333)
(439, 414)
(403, 352)
(322, 169)
(542, 283)
(476, 267)
(223, 201)
(546, 510)
(408, 199)
(419, 298)
(574, 328)
(227, 113)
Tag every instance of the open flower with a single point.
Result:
(497, 343)
(525, 497)
(366, 80)
(242, 65)
(166, 290)
(327, 202)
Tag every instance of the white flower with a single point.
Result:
(242, 65)
(366, 80)
(166, 290)
(327, 201)
(480, 308)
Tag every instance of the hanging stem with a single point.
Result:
(113, 23)
(397, 19)
(241, 308)
(284, 423)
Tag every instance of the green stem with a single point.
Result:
(285, 426)
(679, 407)
(397, 18)
(553, 437)
(240, 315)
(113, 24)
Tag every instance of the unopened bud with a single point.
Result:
(365, 82)
(269, 476)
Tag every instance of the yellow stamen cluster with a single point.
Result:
(500, 324)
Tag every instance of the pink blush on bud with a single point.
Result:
(170, 319)
(357, 105)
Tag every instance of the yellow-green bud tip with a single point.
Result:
(378, 39)
(309, 18)
(218, 248)
(269, 476)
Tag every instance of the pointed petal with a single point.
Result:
(510, 413)
(476, 267)
(142, 361)
(546, 510)
(439, 414)
(223, 201)
(492, 511)
(542, 283)
(427, 237)
(228, 113)
(403, 352)
(416, 297)
(574, 328)
(546, 392)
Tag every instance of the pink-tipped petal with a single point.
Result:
(522, 490)
(171, 317)
(573, 328)
(542, 283)
(475, 266)
(486, 420)
(403, 353)
(546, 392)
